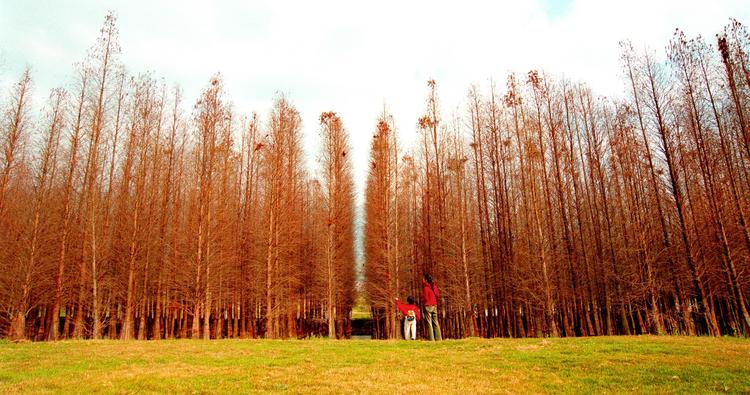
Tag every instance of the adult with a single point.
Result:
(431, 296)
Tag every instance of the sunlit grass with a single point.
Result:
(361, 308)
(605, 364)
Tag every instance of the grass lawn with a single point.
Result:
(603, 364)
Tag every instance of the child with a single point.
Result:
(411, 315)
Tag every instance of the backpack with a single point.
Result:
(410, 316)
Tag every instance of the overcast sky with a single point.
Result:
(351, 57)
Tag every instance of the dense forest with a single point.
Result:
(546, 210)
(540, 209)
(123, 217)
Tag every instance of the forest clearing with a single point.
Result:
(643, 364)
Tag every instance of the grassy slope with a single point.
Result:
(612, 364)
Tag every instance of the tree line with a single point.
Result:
(121, 216)
(543, 209)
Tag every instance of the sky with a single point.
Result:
(351, 57)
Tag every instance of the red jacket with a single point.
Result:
(430, 297)
(405, 307)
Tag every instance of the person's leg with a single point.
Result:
(438, 335)
(412, 330)
(428, 316)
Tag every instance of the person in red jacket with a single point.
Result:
(431, 296)
(411, 315)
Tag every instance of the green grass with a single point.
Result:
(584, 365)
(361, 308)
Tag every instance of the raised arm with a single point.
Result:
(400, 307)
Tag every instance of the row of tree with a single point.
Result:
(122, 217)
(545, 210)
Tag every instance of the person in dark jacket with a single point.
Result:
(431, 296)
